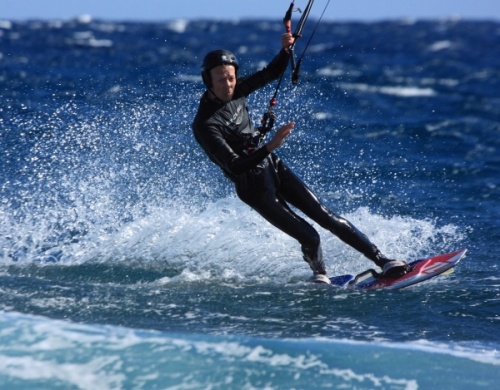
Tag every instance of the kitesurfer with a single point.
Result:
(223, 128)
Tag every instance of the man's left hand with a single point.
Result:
(287, 40)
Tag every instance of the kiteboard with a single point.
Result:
(421, 270)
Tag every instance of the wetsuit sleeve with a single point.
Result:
(263, 77)
(219, 151)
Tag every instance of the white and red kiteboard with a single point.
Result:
(421, 270)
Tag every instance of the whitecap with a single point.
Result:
(440, 45)
(329, 72)
(178, 25)
(407, 91)
(401, 91)
(322, 115)
(5, 24)
(84, 19)
(99, 42)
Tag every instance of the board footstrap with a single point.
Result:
(369, 272)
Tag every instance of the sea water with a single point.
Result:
(127, 262)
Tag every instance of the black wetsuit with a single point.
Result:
(262, 180)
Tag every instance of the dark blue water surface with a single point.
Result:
(126, 261)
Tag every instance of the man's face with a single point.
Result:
(223, 81)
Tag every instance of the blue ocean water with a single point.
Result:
(127, 262)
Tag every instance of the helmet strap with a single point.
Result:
(214, 97)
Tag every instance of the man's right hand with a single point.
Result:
(280, 136)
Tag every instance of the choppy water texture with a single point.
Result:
(127, 262)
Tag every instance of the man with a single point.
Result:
(223, 128)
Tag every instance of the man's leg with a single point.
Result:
(259, 192)
(280, 215)
(299, 195)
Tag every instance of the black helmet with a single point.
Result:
(216, 58)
